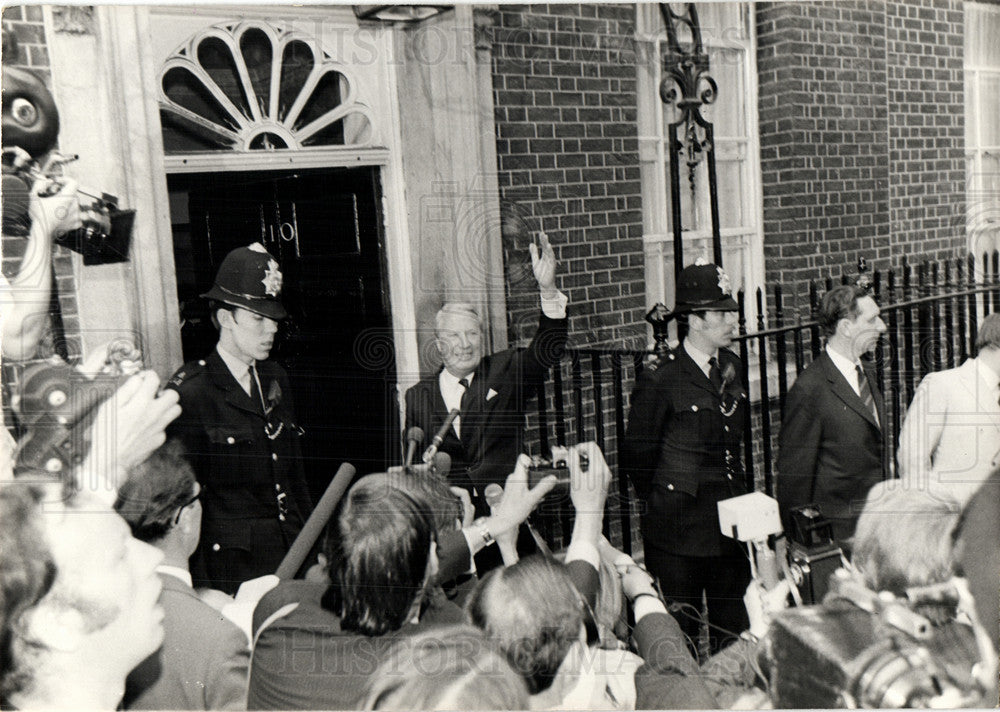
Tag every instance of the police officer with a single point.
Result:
(682, 454)
(238, 427)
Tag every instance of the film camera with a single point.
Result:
(807, 560)
(57, 404)
(30, 131)
(541, 468)
(862, 649)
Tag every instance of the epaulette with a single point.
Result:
(186, 372)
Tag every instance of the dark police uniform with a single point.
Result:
(244, 451)
(682, 454)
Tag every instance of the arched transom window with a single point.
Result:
(251, 86)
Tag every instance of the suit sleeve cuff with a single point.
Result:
(555, 307)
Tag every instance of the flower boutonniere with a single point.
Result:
(273, 395)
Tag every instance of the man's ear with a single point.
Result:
(56, 627)
(225, 318)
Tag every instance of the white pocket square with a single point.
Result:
(491, 394)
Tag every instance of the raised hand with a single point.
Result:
(544, 265)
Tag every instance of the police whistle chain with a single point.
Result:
(317, 521)
(414, 436)
(439, 436)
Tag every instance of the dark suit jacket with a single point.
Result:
(682, 452)
(203, 663)
(243, 533)
(492, 422)
(831, 447)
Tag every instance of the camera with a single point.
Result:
(541, 468)
(862, 649)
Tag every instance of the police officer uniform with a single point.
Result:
(682, 454)
(244, 448)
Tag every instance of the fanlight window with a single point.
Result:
(251, 87)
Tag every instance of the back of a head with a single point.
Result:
(838, 303)
(449, 668)
(533, 612)
(988, 336)
(27, 574)
(904, 538)
(433, 490)
(381, 558)
(153, 491)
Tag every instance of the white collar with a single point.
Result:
(447, 379)
(845, 366)
(177, 572)
(700, 357)
(238, 368)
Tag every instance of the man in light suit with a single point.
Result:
(490, 392)
(204, 661)
(950, 440)
(831, 442)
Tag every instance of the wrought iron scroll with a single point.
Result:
(687, 85)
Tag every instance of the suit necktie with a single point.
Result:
(866, 393)
(464, 383)
(715, 374)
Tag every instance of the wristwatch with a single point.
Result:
(484, 531)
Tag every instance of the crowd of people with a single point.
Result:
(141, 576)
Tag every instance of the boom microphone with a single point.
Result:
(317, 521)
(414, 436)
(439, 436)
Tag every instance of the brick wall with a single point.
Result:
(564, 88)
(924, 58)
(63, 335)
(861, 119)
(824, 142)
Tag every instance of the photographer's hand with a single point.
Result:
(129, 426)
(762, 604)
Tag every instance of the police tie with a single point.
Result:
(715, 374)
(866, 393)
(255, 395)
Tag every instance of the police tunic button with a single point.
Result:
(670, 487)
(231, 440)
(694, 408)
(726, 428)
(201, 363)
(216, 547)
(277, 487)
(281, 517)
(274, 456)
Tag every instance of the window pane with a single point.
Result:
(258, 54)
(989, 110)
(185, 89)
(296, 65)
(727, 113)
(730, 175)
(216, 59)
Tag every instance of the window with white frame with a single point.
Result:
(727, 31)
(982, 126)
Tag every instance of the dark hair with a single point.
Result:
(454, 667)
(434, 490)
(839, 303)
(380, 562)
(154, 490)
(533, 612)
(27, 574)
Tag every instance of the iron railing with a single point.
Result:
(931, 311)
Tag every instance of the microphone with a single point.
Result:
(493, 494)
(441, 464)
(314, 526)
(414, 436)
(439, 436)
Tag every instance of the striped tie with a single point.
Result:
(866, 393)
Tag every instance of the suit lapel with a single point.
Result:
(843, 390)
(223, 379)
(473, 415)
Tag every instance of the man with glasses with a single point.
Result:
(204, 660)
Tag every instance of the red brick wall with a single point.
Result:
(924, 58)
(564, 85)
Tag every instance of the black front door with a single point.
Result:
(324, 227)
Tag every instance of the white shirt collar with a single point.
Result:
(177, 572)
(846, 367)
(237, 367)
(700, 357)
(987, 373)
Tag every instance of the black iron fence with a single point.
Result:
(931, 310)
